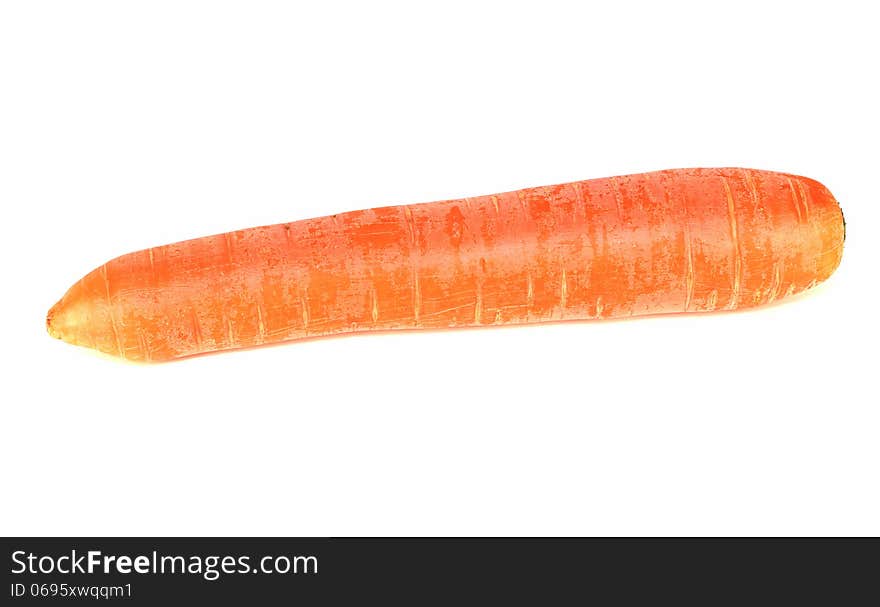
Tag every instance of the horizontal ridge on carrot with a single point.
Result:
(684, 240)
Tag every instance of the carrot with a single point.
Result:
(688, 240)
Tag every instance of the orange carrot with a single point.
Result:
(688, 240)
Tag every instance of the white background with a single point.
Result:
(125, 125)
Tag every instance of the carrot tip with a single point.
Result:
(59, 321)
(50, 327)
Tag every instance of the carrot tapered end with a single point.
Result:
(50, 325)
(82, 318)
(68, 320)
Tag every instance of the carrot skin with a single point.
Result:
(686, 240)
